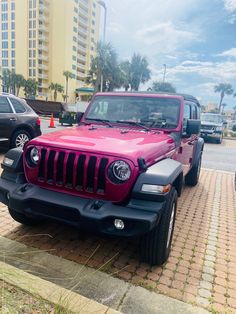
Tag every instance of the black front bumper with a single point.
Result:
(139, 216)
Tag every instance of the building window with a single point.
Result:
(34, 63)
(4, 7)
(13, 35)
(75, 29)
(5, 63)
(75, 20)
(34, 24)
(34, 53)
(74, 39)
(74, 48)
(94, 5)
(74, 58)
(13, 45)
(30, 72)
(13, 6)
(93, 22)
(13, 54)
(94, 13)
(4, 16)
(13, 63)
(4, 54)
(4, 45)
(74, 67)
(4, 26)
(13, 16)
(93, 31)
(34, 72)
(12, 25)
(75, 10)
(4, 35)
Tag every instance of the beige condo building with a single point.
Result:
(41, 39)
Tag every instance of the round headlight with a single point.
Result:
(34, 156)
(119, 171)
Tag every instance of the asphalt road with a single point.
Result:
(215, 156)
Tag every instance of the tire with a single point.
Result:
(20, 138)
(24, 220)
(219, 140)
(192, 177)
(155, 245)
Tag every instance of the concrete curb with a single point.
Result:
(51, 292)
(92, 284)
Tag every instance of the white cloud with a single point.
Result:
(230, 5)
(166, 37)
(228, 53)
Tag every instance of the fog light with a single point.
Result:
(119, 224)
(8, 161)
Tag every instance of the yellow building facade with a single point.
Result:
(41, 39)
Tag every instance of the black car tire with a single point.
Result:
(156, 244)
(24, 220)
(20, 134)
(192, 177)
(219, 140)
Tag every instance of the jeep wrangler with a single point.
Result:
(119, 172)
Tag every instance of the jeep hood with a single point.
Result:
(131, 143)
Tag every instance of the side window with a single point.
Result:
(19, 108)
(4, 105)
(187, 115)
(194, 111)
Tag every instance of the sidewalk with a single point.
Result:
(202, 265)
(65, 279)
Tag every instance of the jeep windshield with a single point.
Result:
(156, 112)
(214, 118)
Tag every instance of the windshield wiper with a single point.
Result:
(107, 122)
(134, 123)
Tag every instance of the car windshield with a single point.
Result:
(159, 112)
(212, 118)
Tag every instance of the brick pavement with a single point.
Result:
(202, 265)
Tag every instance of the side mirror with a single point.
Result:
(193, 127)
(79, 116)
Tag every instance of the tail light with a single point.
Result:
(38, 121)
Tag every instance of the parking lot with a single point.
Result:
(202, 265)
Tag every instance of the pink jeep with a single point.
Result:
(118, 172)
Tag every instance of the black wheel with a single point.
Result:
(155, 245)
(24, 220)
(219, 140)
(192, 177)
(20, 138)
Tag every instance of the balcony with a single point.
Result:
(81, 58)
(82, 30)
(43, 57)
(43, 8)
(44, 85)
(82, 49)
(83, 13)
(43, 28)
(43, 76)
(83, 23)
(43, 18)
(43, 67)
(43, 38)
(43, 48)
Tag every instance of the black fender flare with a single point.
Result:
(199, 146)
(12, 166)
(164, 172)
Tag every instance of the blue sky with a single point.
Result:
(196, 39)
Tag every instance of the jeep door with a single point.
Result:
(186, 150)
(7, 119)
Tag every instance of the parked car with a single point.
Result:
(18, 122)
(212, 126)
(119, 172)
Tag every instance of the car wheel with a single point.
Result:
(20, 138)
(219, 140)
(23, 219)
(156, 244)
(192, 177)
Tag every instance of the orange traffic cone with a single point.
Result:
(52, 124)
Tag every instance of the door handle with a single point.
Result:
(13, 119)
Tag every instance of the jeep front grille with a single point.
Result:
(72, 170)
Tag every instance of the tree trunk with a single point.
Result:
(221, 100)
(55, 95)
(67, 89)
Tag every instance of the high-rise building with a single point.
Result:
(41, 39)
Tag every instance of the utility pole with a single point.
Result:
(164, 74)
(103, 4)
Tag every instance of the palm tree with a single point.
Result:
(163, 87)
(223, 89)
(68, 75)
(19, 82)
(139, 71)
(125, 74)
(57, 88)
(105, 65)
(6, 78)
(30, 88)
(223, 107)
